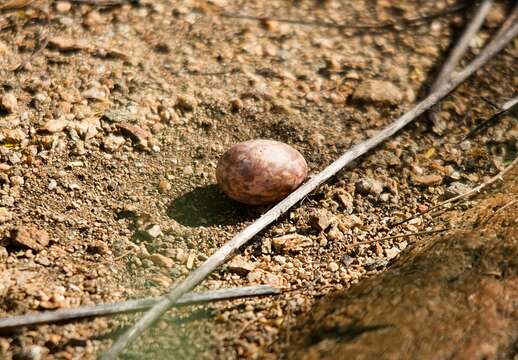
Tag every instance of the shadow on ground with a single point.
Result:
(206, 206)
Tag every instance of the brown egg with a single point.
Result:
(260, 171)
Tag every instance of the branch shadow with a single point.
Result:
(206, 206)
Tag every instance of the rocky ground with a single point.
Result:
(113, 119)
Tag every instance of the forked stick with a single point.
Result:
(221, 255)
(460, 49)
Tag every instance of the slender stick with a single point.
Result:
(220, 256)
(473, 191)
(510, 106)
(47, 317)
(509, 21)
(459, 50)
(321, 23)
(366, 242)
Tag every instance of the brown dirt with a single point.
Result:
(120, 121)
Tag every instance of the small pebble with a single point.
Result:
(428, 180)
(333, 266)
(9, 103)
(162, 261)
(5, 215)
(63, 7)
(367, 185)
(378, 91)
(239, 265)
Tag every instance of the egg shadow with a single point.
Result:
(207, 206)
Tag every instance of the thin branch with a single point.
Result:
(13, 322)
(459, 50)
(508, 107)
(509, 204)
(366, 242)
(42, 44)
(511, 19)
(473, 191)
(221, 255)
(321, 23)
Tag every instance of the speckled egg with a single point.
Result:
(260, 171)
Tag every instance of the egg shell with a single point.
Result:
(260, 171)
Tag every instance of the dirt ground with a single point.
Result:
(110, 135)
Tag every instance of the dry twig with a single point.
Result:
(510, 106)
(509, 204)
(366, 242)
(223, 253)
(473, 191)
(14, 322)
(459, 50)
(43, 41)
(321, 23)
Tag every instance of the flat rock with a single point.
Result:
(30, 237)
(291, 243)
(139, 135)
(162, 261)
(319, 219)
(378, 91)
(239, 265)
(428, 180)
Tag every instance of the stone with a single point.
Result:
(392, 252)
(96, 93)
(9, 102)
(190, 261)
(31, 237)
(112, 143)
(369, 186)
(428, 180)
(319, 219)
(68, 44)
(154, 231)
(186, 102)
(139, 135)
(378, 91)
(5, 215)
(240, 266)
(161, 260)
(347, 260)
(53, 184)
(63, 7)
(291, 243)
(346, 200)
(164, 186)
(55, 125)
(333, 266)
(335, 234)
